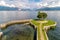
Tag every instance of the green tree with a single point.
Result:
(41, 15)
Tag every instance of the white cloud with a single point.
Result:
(41, 4)
(27, 4)
(55, 4)
(3, 3)
(22, 5)
(47, 3)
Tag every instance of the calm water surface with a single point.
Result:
(6, 16)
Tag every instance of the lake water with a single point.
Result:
(6, 16)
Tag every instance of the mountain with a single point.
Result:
(42, 9)
(48, 8)
(5, 8)
(26, 10)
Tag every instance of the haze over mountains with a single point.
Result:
(49, 8)
(25, 5)
(5, 8)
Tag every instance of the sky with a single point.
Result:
(30, 3)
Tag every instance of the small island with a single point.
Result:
(41, 24)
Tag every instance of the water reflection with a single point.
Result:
(18, 31)
(6, 16)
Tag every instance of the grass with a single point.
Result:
(38, 29)
(49, 22)
(35, 23)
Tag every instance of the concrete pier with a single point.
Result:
(2, 26)
(42, 29)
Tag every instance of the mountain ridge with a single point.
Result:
(3, 8)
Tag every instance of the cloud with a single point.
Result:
(54, 4)
(3, 3)
(51, 3)
(30, 3)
